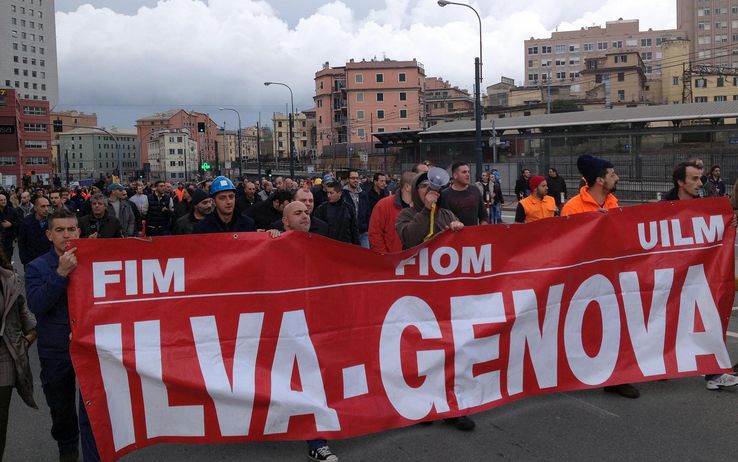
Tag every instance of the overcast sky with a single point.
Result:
(127, 58)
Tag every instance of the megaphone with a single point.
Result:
(438, 178)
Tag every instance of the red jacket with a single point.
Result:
(382, 234)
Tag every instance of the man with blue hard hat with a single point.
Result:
(224, 218)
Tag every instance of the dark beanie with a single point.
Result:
(590, 167)
(198, 195)
(535, 181)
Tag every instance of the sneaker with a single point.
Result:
(625, 390)
(723, 381)
(463, 423)
(323, 453)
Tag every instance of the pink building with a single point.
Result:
(361, 98)
(201, 127)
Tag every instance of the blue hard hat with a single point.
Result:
(221, 184)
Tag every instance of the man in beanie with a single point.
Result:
(538, 205)
(597, 193)
(201, 206)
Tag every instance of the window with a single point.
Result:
(621, 59)
(380, 130)
(33, 110)
(703, 40)
(380, 114)
(361, 132)
(589, 47)
(618, 44)
(380, 97)
(359, 115)
(720, 82)
(403, 113)
(561, 75)
(360, 97)
(574, 48)
(545, 50)
(532, 50)
(403, 96)
(720, 98)
(700, 83)
(602, 45)
(647, 55)
(735, 97)
(402, 77)
(675, 80)
(621, 76)
(621, 95)
(7, 160)
(359, 78)
(450, 107)
(379, 78)
(560, 48)
(721, 25)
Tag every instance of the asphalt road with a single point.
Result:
(673, 420)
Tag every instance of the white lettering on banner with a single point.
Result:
(542, 343)
(593, 370)
(171, 278)
(233, 402)
(647, 338)
(697, 298)
(412, 403)
(161, 418)
(466, 312)
(109, 347)
(670, 232)
(446, 260)
(294, 347)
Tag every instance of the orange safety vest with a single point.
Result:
(535, 209)
(584, 202)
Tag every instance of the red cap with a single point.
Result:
(535, 181)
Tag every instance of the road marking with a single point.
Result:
(735, 308)
(732, 334)
(591, 407)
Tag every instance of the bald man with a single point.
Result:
(295, 217)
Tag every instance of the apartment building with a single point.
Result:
(562, 57)
(200, 127)
(25, 139)
(364, 97)
(304, 124)
(173, 156)
(94, 154)
(28, 49)
(445, 102)
(617, 77)
(64, 121)
(712, 28)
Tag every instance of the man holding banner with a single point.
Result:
(597, 195)
(46, 288)
(687, 185)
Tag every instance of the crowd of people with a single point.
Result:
(379, 212)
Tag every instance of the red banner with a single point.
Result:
(233, 337)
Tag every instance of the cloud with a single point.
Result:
(184, 53)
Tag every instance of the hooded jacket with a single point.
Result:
(413, 223)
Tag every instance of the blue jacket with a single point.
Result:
(47, 298)
(213, 224)
(32, 240)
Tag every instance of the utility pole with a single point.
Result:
(258, 148)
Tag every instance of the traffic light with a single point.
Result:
(201, 127)
(205, 166)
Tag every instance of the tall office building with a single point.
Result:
(28, 49)
(712, 28)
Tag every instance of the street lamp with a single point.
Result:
(292, 144)
(478, 84)
(240, 160)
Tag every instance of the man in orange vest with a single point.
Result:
(597, 195)
(538, 205)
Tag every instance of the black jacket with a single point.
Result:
(264, 214)
(213, 224)
(556, 186)
(521, 187)
(317, 226)
(185, 224)
(106, 227)
(32, 240)
(342, 224)
(155, 217)
(10, 215)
